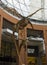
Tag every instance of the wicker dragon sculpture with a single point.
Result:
(20, 26)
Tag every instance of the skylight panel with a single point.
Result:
(16, 5)
(4, 1)
(21, 1)
(23, 7)
(26, 7)
(10, 1)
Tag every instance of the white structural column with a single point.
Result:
(43, 11)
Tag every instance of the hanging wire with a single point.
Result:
(25, 5)
(20, 7)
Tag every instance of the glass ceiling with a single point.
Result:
(27, 7)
